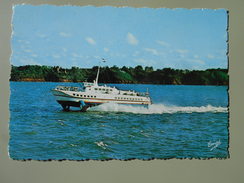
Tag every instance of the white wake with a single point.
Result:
(157, 109)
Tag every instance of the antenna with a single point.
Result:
(147, 93)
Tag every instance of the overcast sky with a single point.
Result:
(79, 36)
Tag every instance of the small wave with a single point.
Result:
(101, 144)
(157, 109)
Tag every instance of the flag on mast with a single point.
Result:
(103, 60)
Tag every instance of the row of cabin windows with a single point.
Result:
(88, 96)
(103, 89)
(122, 98)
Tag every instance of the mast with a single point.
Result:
(96, 81)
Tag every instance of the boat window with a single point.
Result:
(95, 88)
(99, 88)
(73, 94)
(84, 95)
(103, 89)
(77, 94)
(110, 89)
(88, 96)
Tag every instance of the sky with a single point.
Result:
(70, 36)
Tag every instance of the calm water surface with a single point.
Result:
(183, 122)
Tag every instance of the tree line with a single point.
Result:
(124, 74)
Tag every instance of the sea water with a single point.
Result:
(182, 122)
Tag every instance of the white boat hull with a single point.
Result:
(74, 99)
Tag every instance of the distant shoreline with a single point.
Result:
(124, 75)
(40, 81)
(43, 81)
